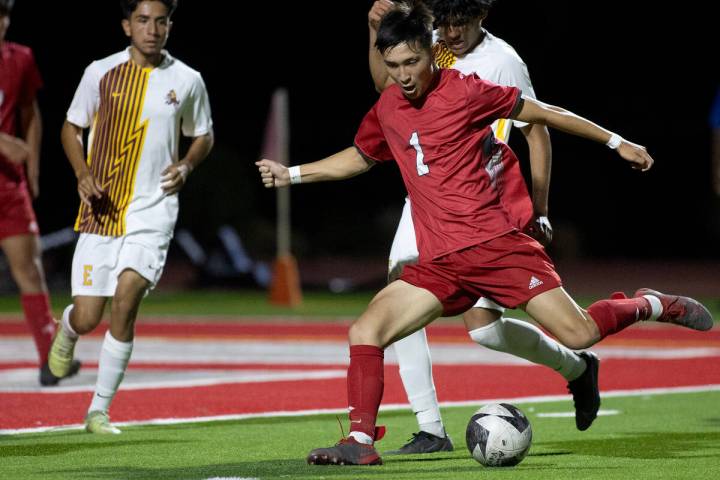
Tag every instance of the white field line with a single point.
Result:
(390, 407)
(155, 383)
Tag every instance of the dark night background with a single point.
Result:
(648, 72)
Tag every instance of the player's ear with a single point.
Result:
(126, 26)
(169, 26)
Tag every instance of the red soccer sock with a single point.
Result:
(365, 381)
(37, 314)
(611, 316)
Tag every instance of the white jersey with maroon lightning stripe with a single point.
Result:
(136, 115)
(494, 60)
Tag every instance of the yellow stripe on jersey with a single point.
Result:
(502, 130)
(443, 56)
(118, 140)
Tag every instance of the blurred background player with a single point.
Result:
(135, 103)
(461, 43)
(19, 174)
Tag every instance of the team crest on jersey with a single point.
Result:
(443, 56)
(171, 98)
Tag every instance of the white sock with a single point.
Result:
(415, 364)
(362, 437)
(69, 330)
(527, 341)
(114, 358)
(655, 306)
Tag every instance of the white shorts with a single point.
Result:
(404, 251)
(99, 260)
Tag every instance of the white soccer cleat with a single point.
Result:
(99, 422)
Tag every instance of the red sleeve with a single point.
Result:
(31, 82)
(487, 101)
(370, 139)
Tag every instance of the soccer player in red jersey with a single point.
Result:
(435, 124)
(19, 169)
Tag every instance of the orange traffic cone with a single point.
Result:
(285, 286)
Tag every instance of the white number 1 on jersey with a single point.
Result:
(422, 169)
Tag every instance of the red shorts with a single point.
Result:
(509, 269)
(16, 213)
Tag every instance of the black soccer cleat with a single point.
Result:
(424, 442)
(585, 392)
(683, 311)
(347, 451)
(47, 379)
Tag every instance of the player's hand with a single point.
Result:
(14, 149)
(540, 229)
(273, 174)
(174, 177)
(636, 154)
(89, 188)
(379, 9)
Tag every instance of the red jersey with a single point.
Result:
(448, 158)
(19, 83)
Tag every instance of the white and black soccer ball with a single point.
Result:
(498, 435)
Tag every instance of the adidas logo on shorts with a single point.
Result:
(534, 282)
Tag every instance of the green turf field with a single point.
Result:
(655, 437)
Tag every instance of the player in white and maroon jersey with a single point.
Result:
(435, 124)
(136, 103)
(461, 43)
(20, 138)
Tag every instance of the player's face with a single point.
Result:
(148, 27)
(462, 37)
(411, 68)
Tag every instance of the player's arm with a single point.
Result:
(72, 141)
(175, 175)
(344, 164)
(31, 132)
(378, 70)
(534, 111)
(540, 152)
(13, 148)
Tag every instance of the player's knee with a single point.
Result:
(124, 308)
(363, 333)
(84, 319)
(480, 317)
(575, 339)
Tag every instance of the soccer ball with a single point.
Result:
(498, 435)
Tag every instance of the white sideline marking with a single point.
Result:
(600, 413)
(135, 381)
(384, 408)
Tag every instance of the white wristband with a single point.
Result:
(295, 176)
(615, 141)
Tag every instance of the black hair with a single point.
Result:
(129, 6)
(6, 7)
(459, 12)
(411, 23)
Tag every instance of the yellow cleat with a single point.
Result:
(60, 359)
(99, 422)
